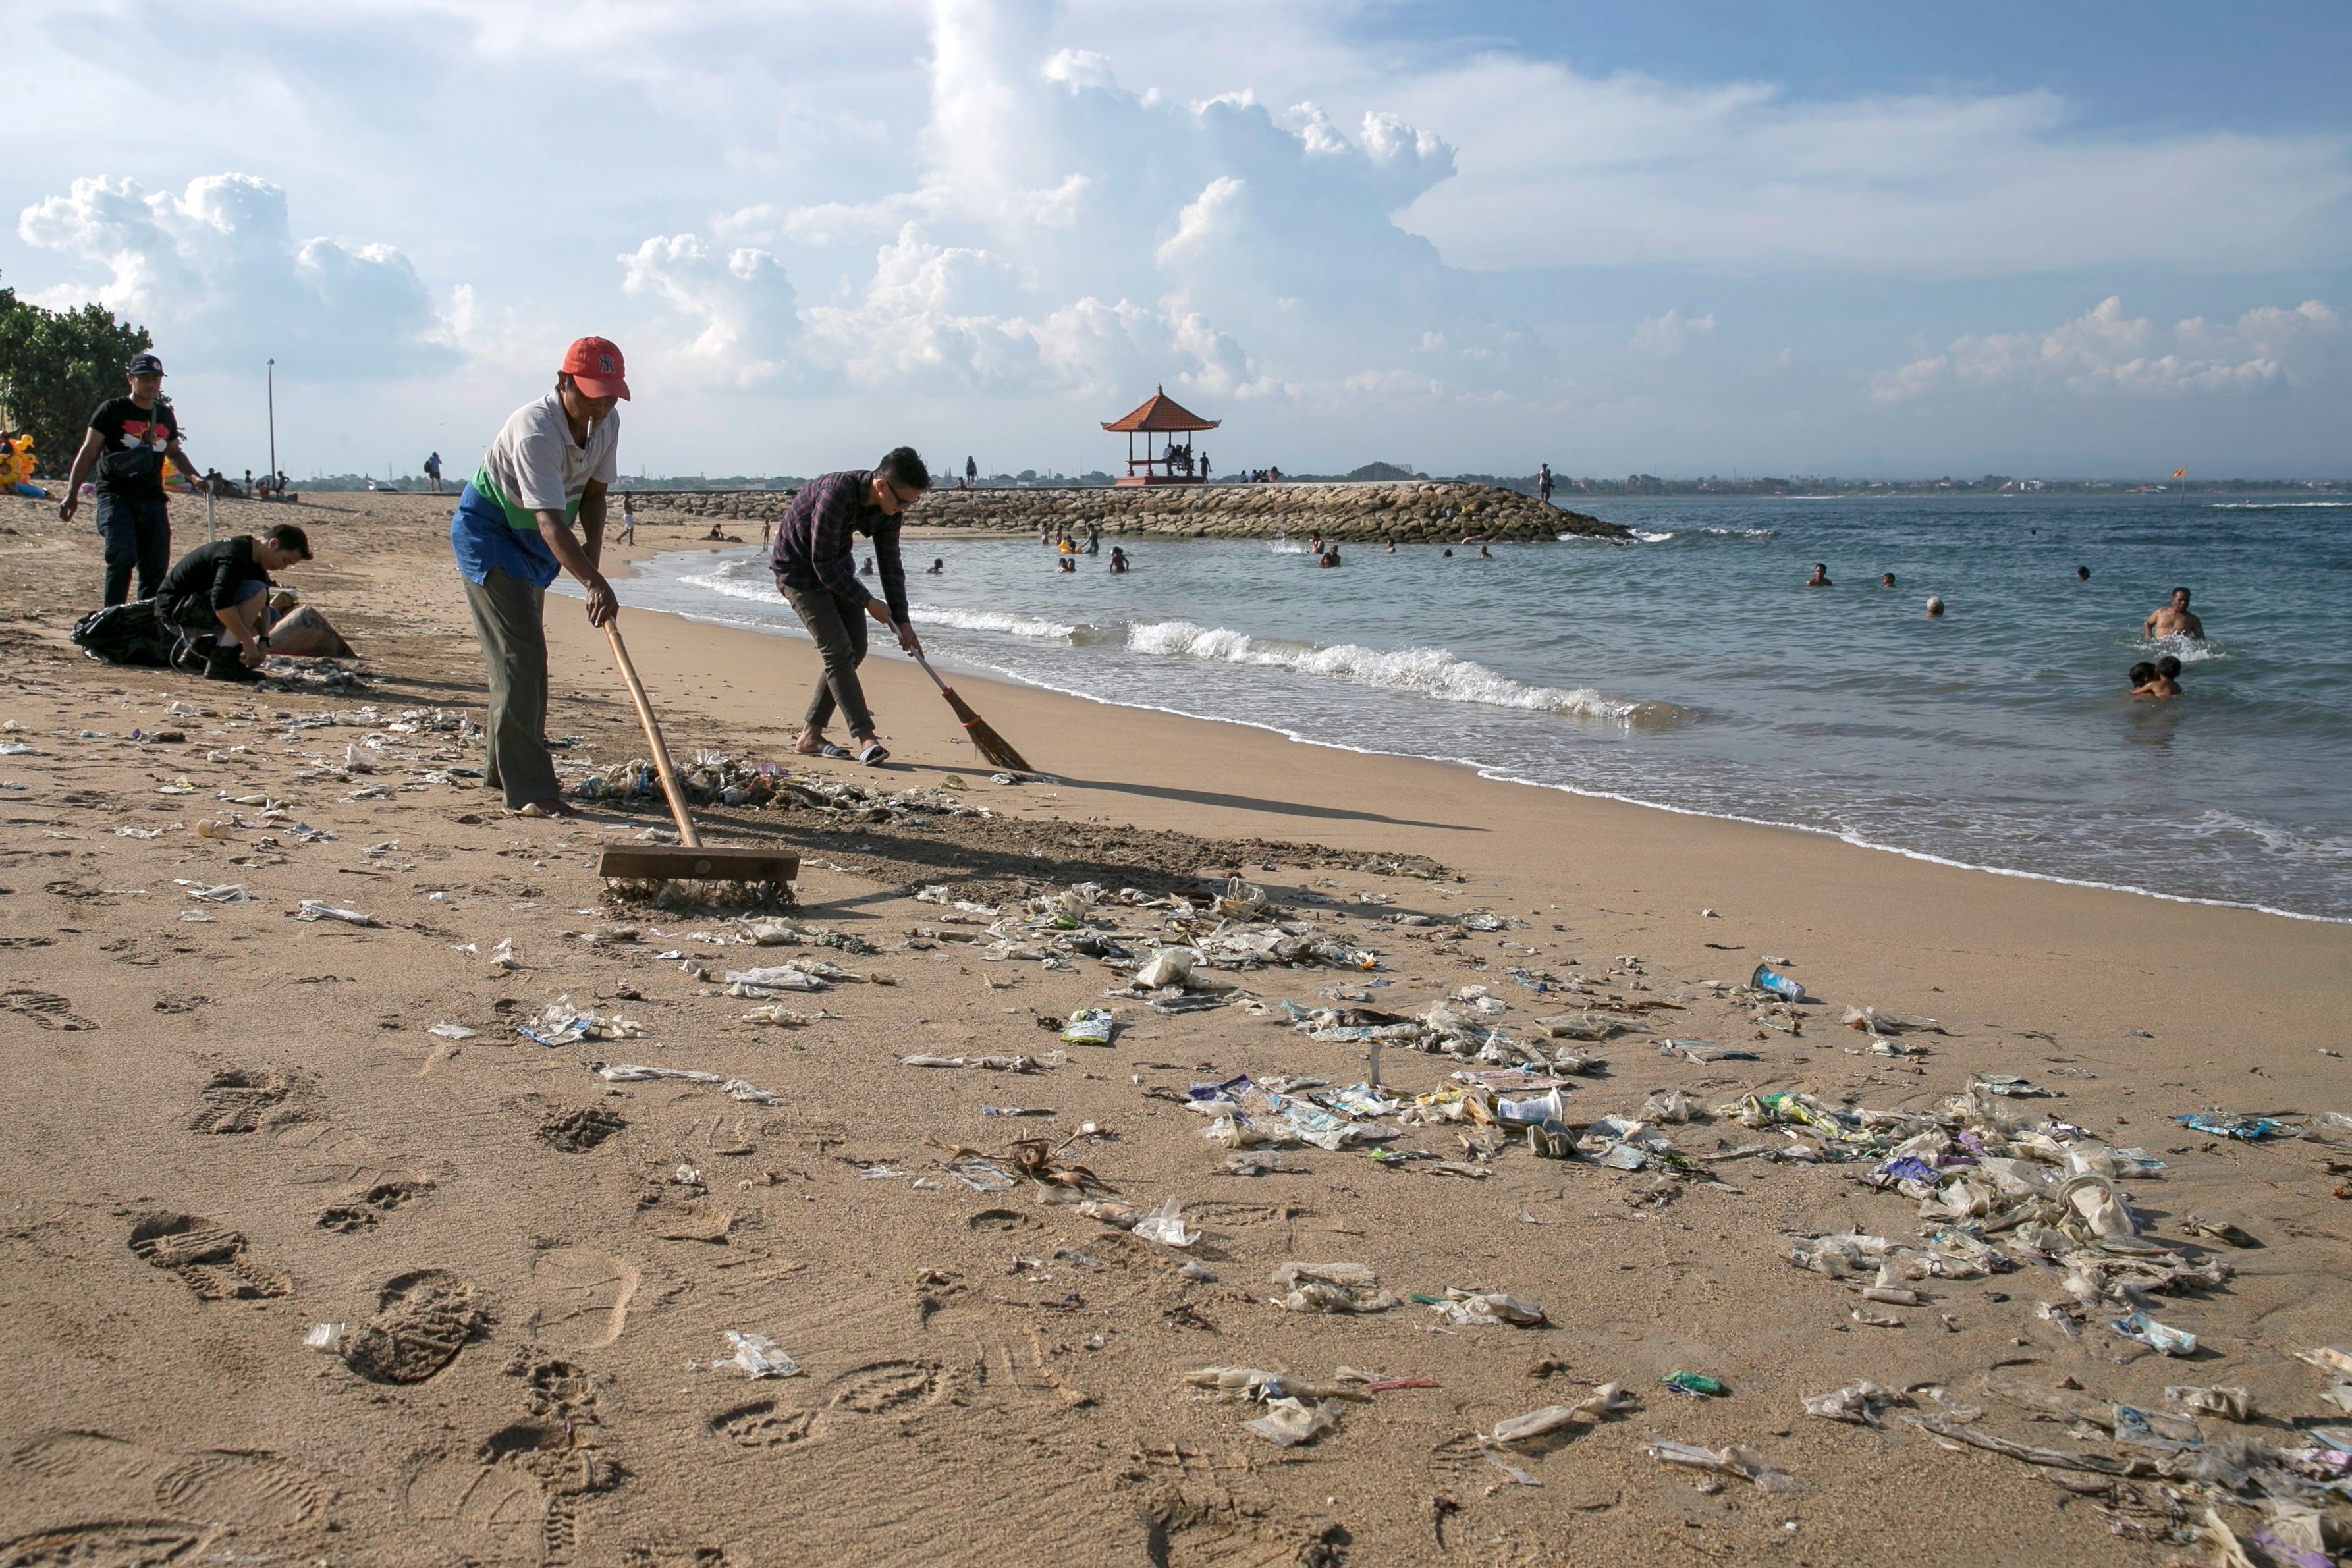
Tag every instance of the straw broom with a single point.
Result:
(990, 744)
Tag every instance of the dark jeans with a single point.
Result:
(137, 532)
(195, 613)
(509, 617)
(838, 626)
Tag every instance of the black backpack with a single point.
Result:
(133, 633)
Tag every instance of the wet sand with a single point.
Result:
(234, 1127)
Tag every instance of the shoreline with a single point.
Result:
(1499, 774)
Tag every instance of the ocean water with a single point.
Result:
(1690, 671)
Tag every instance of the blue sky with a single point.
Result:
(1678, 238)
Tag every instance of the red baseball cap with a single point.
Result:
(595, 365)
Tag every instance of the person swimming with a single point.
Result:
(1328, 558)
(1486, 554)
(1067, 563)
(2082, 574)
(1119, 561)
(1820, 578)
(937, 569)
(1935, 607)
(1885, 579)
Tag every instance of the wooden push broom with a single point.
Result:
(691, 860)
(990, 744)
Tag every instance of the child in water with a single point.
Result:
(2159, 681)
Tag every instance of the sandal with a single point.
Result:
(873, 754)
(827, 748)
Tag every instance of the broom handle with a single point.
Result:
(930, 672)
(670, 788)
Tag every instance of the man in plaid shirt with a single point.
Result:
(816, 571)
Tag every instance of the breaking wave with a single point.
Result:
(1421, 671)
(1003, 621)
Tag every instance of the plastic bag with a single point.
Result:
(1165, 1226)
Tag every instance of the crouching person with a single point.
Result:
(223, 588)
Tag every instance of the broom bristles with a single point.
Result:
(993, 746)
(984, 739)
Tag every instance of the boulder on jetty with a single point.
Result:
(1426, 511)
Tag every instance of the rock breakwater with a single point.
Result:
(1423, 512)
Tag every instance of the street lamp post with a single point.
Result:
(273, 422)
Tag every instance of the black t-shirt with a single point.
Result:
(124, 428)
(210, 574)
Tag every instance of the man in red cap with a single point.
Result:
(552, 462)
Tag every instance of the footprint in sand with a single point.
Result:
(760, 1425)
(254, 1491)
(349, 1218)
(488, 1512)
(255, 1494)
(577, 1132)
(44, 1008)
(422, 1318)
(239, 1099)
(133, 1543)
(208, 1257)
(580, 1297)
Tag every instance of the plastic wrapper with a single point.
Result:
(2231, 1404)
(1857, 1403)
(1090, 1026)
(1289, 1422)
(1737, 1463)
(312, 909)
(1165, 1225)
(2157, 1336)
(1330, 1288)
(1484, 1309)
(757, 1355)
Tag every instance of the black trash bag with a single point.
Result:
(133, 633)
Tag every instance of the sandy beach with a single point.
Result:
(234, 1126)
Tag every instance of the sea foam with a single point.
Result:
(1430, 673)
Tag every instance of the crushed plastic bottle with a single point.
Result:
(1787, 989)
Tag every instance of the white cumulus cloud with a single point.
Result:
(215, 273)
(2106, 353)
(1672, 335)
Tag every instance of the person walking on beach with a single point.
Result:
(550, 464)
(127, 441)
(628, 520)
(2173, 619)
(813, 564)
(433, 475)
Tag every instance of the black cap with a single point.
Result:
(144, 365)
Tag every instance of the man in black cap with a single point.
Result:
(127, 439)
